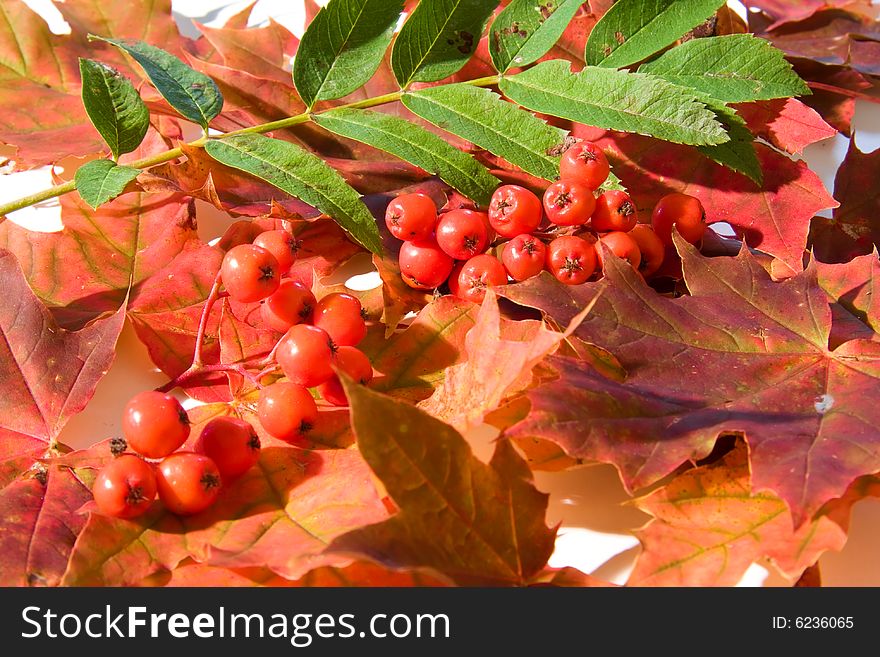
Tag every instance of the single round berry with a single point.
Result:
(250, 273)
(514, 210)
(188, 483)
(411, 217)
(341, 315)
(571, 260)
(614, 211)
(280, 244)
(125, 487)
(154, 424)
(232, 444)
(524, 257)
(584, 163)
(306, 355)
(424, 265)
(287, 411)
(622, 246)
(291, 304)
(651, 248)
(356, 365)
(463, 233)
(478, 274)
(569, 203)
(683, 211)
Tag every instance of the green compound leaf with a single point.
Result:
(100, 181)
(738, 153)
(483, 118)
(616, 100)
(438, 39)
(635, 29)
(191, 93)
(415, 145)
(526, 29)
(303, 175)
(736, 68)
(114, 107)
(343, 47)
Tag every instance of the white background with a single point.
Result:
(588, 501)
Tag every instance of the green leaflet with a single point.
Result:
(343, 47)
(526, 29)
(616, 100)
(414, 144)
(635, 29)
(736, 68)
(114, 107)
(303, 175)
(191, 93)
(100, 181)
(482, 117)
(438, 39)
(738, 153)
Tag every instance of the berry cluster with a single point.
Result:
(319, 339)
(559, 234)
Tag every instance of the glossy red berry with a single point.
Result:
(424, 265)
(478, 274)
(683, 211)
(232, 444)
(341, 315)
(650, 247)
(154, 424)
(250, 273)
(514, 210)
(569, 203)
(614, 211)
(125, 487)
(571, 260)
(280, 244)
(524, 257)
(291, 304)
(411, 217)
(287, 411)
(356, 365)
(584, 163)
(463, 233)
(622, 246)
(306, 355)
(188, 483)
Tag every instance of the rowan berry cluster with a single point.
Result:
(559, 233)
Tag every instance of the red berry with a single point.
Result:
(411, 217)
(291, 304)
(682, 211)
(476, 275)
(651, 248)
(287, 411)
(424, 265)
(614, 211)
(232, 444)
(341, 315)
(463, 233)
(514, 210)
(306, 355)
(280, 244)
(584, 163)
(355, 364)
(154, 424)
(250, 273)
(621, 245)
(569, 203)
(125, 487)
(188, 482)
(571, 260)
(524, 257)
